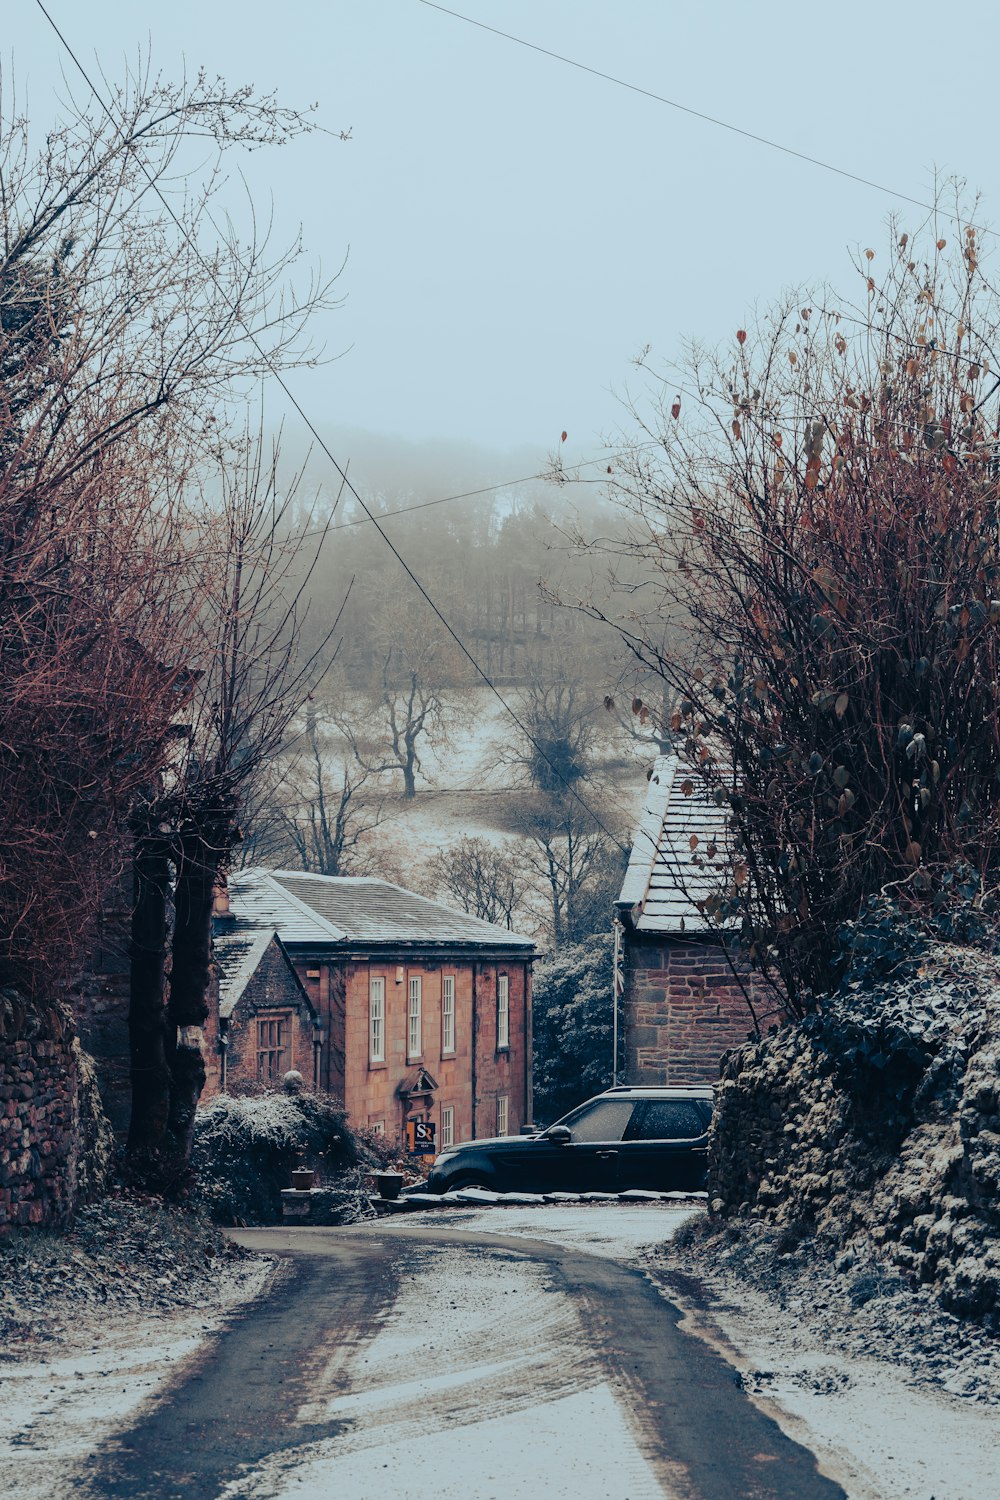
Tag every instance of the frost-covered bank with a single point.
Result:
(872, 1132)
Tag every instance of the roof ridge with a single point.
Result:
(336, 933)
(403, 890)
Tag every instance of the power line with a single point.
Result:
(345, 481)
(489, 489)
(697, 114)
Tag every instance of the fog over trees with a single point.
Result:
(404, 727)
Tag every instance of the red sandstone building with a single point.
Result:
(681, 1005)
(402, 1007)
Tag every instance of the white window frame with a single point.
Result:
(376, 1018)
(377, 1127)
(447, 1126)
(447, 1015)
(414, 1018)
(503, 1114)
(503, 1013)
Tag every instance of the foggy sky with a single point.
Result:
(514, 230)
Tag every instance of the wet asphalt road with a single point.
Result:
(248, 1400)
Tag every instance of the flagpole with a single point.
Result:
(617, 986)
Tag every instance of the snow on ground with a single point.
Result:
(58, 1407)
(465, 781)
(430, 1407)
(523, 1422)
(866, 1422)
(870, 1428)
(615, 1230)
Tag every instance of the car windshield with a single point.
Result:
(600, 1120)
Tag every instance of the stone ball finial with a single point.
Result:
(293, 1082)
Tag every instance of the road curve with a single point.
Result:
(413, 1360)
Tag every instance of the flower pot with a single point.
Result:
(389, 1184)
(302, 1179)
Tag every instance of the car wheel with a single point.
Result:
(467, 1179)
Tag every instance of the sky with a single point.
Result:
(514, 230)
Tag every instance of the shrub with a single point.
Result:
(245, 1149)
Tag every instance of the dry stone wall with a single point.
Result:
(56, 1146)
(876, 1128)
(39, 1117)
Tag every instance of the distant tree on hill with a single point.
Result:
(486, 879)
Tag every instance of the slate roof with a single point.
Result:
(665, 876)
(238, 950)
(355, 911)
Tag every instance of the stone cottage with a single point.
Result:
(682, 1006)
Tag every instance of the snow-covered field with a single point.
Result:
(466, 777)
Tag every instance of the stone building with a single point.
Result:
(264, 1024)
(400, 1006)
(682, 1005)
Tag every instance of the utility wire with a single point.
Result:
(276, 373)
(697, 114)
(549, 474)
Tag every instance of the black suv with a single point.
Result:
(627, 1138)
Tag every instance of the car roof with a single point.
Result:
(654, 1091)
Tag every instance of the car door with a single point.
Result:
(533, 1165)
(590, 1159)
(665, 1146)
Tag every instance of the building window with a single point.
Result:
(503, 1012)
(447, 1014)
(273, 1059)
(447, 1126)
(376, 1019)
(413, 1030)
(502, 1114)
(377, 1127)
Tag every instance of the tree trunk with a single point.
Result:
(147, 1018)
(187, 1010)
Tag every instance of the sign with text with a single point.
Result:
(420, 1136)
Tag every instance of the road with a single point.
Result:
(416, 1359)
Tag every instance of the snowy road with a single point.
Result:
(454, 1355)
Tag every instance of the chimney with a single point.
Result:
(220, 901)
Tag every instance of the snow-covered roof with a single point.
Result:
(324, 910)
(667, 875)
(238, 949)
(237, 955)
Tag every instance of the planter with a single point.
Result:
(389, 1184)
(302, 1179)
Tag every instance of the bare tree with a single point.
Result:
(117, 343)
(389, 727)
(821, 513)
(488, 880)
(251, 683)
(575, 859)
(326, 810)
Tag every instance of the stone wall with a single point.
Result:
(876, 1129)
(682, 1009)
(272, 991)
(39, 1117)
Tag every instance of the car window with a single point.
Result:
(666, 1120)
(604, 1120)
